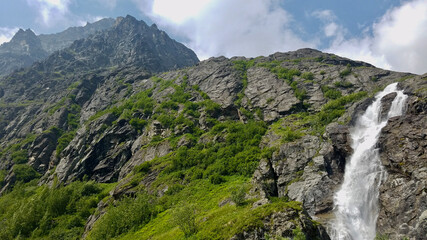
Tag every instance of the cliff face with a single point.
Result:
(403, 145)
(26, 47)
(254, 148)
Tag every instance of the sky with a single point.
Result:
(390, 34)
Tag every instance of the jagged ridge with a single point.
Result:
(276, 125)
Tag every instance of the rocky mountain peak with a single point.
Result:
(23, 35)
(24, 41)
(129, 42)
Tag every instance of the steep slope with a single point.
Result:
(226, 149)
(58, 41)
(25, 48)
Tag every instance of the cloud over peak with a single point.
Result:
(50, 10)
(235, 28)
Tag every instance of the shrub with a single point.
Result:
(143, 168)
(346, 71)
(216, 179)
(24, 172)
(331, 93)
(290, 135)
(176, 188)
(238, 195)
(137, 123)
(185, 218)
(307, 75)
(127, 215)
(343, 84)
(20, 157)
(63, 142)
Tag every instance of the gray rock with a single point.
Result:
(275, 97)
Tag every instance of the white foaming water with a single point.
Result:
(356, 203)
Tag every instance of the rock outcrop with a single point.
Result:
(25, 48)
(96, 111)
(403, 151)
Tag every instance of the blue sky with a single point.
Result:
(391, 34)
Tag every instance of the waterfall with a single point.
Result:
(356, 203)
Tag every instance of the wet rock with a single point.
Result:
(403, 196)
(386, 102)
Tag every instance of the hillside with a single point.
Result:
(126, 135)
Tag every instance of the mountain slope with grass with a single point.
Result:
(220, 149)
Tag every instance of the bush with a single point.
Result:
(238, 195)
(343, 84)
(63, 142)
(127, 215)
(185, 218)
(24, 172)
(331, 93)
(346, 71)
(143, 168)
(175, 188)
(307, 75)
(216, 179)
(137, 123)
(20, 157)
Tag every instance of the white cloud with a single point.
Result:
(179, 11)
(325, 15)
(111, 4)
(330, 26)
(398, 40)
(6, 34)
(231, 28)
(50, 11)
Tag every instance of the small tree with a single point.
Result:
(185, 218)
(238, 195)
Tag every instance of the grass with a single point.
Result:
(39, 212)
(212, 221)
(242, 67)
(294, 126)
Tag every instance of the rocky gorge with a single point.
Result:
(127, 121)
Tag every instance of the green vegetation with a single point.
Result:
(343, 84)
(185, 218)
(381, 237)
(24, 172)
(242, 67)
(307, 76)
(33, 212)
(288, 76)
(238, 195)
(197, 191)
(346, 71)
(20, 156)
(330, 93)
(294, 126)
(237, 154)
(125, 216)
(194, 213)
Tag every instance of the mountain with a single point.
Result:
(25, 48)
(58, 41)
(125, 135)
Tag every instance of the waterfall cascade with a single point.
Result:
(356, 203)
